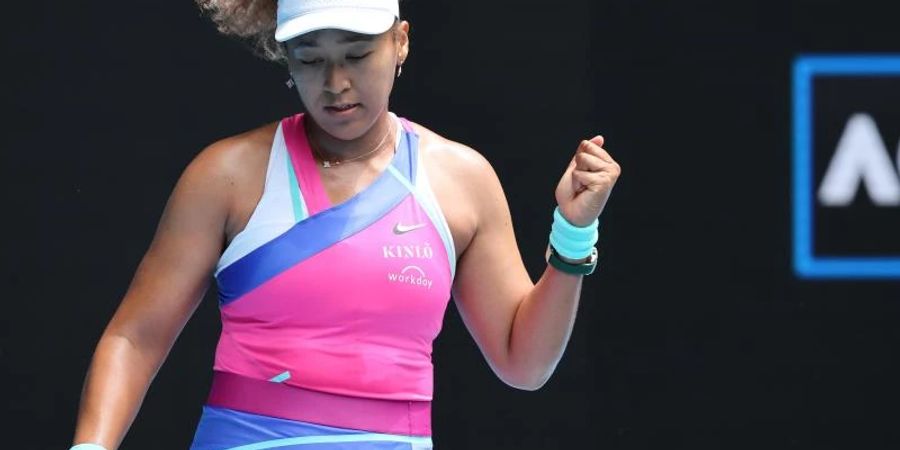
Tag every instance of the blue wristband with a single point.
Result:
(561, 225)
(570, 248)
(570, 241)
(88, 447)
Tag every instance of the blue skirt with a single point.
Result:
(223, 428)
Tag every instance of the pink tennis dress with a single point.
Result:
(329, 311)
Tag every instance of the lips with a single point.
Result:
(341, 108)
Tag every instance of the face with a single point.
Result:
(344, 79)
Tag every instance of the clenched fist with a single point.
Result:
(585, 186)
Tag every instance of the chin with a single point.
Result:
(345, 129)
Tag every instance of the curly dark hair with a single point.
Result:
(250, 20)
(253, 21)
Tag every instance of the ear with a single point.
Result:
(402, 37)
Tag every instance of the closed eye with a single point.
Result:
(357, 58)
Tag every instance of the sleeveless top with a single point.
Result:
(344, 298)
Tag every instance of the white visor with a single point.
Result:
(296, 17)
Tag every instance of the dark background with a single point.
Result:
(694, 333)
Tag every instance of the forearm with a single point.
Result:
(114, 388)
(541, 328)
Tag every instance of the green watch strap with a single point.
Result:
(575, 269)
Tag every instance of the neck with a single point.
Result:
(332, 148)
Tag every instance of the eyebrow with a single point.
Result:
(346, 39)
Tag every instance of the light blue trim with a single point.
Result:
(306, 440)
(429, 202)
(281, 377)
(806, 264)
(429, 207)
(88, 447)
(297, 200)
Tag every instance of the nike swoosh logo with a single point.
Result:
(401, 229)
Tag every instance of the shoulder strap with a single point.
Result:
(304, 164)
(407, 125)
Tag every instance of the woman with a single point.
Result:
(336, 238)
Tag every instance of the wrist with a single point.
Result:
(572, 243)
(572, 248)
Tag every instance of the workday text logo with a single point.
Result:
(846, 165)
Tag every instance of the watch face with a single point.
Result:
(593, 256)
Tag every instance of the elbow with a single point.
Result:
(527, 374)
(527, 381)
(531, 387)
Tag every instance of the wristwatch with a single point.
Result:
(584, 267)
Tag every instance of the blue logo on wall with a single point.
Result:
(846, 177)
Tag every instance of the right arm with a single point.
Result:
(167, 287)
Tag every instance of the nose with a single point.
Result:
(336, 79)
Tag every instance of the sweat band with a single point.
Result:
(571, 241)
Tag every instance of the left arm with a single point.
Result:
(522, 328)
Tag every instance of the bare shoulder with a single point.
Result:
(457, 160)
(231, 157)
(232, 170)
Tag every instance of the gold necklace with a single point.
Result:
(326, 163)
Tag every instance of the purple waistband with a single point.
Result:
(411, 418)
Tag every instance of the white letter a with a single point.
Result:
(860, 156)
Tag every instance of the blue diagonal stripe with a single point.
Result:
(319, 231)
